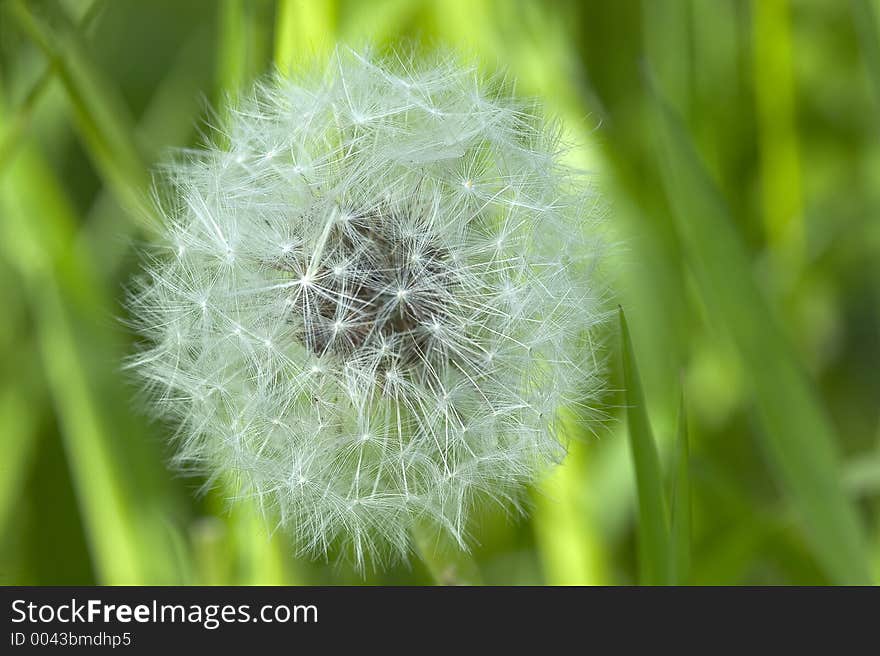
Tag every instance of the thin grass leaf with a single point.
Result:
(264, 558)
(114, 542)
(654, 554)
(796, 432)
(110, 535)
(169, 119)
(19, 119)
(101, 116)
(234, 30)
(680, 504)
(19, 427)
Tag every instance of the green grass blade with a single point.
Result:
(125, 515)
(796, 433)
(115, 546)
(565, 520)
(234, 31)
(781, 179)
(303, 28)
(20, 391)
(168, 121)
(653, 532)
(110, 536)
(18, 119)
(19, 427)
(244, 45)
(101, 117)
(446, 561)
(680, 504)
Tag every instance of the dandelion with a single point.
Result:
(371, 302)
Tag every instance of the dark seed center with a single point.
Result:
(378, 288)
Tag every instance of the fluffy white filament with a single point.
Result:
(371, 299)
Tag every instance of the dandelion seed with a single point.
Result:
(402, 348)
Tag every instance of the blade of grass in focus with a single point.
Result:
(680, 504)
(795, 430)
(653, 532)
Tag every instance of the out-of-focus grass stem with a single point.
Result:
(781, 187)
(19, 119)
(101, 116)
(124, 535)
(795, 431)
(303, 28)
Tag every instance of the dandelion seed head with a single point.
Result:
(377, 318)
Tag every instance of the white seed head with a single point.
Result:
(372, 301)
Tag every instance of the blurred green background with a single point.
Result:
(737, 145)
